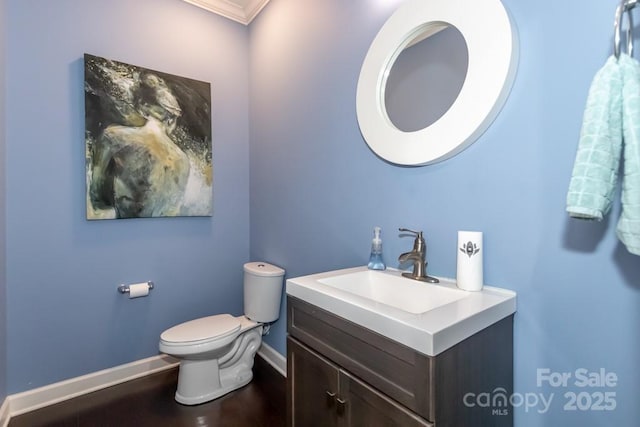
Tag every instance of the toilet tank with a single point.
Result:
(262, 291)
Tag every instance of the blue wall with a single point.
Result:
(317, 191)
(65, 317)
(3, 257)
(302, 180)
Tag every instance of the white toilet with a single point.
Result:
(217, 352)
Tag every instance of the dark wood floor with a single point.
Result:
(149, 402)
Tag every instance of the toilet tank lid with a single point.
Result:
(263, 269)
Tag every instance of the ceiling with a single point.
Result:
(242, 11)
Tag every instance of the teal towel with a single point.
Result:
(595, 170)
(628, 229)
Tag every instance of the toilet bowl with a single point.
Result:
(216, 352)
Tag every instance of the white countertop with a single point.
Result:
(430, 332)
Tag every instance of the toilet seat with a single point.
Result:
(201, 331)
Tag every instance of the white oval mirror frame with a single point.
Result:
(493, 56)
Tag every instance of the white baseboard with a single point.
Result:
(54, 393)
(37, 398)
(273, 358)
(4, 413)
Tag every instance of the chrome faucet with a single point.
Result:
(418, 256)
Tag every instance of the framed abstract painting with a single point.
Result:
(148, 142)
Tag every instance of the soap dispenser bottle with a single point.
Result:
(375, 259)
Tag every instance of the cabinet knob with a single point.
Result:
(341, 406)
(331, 397)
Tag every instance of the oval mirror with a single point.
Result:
(420, 133)
(425, 79)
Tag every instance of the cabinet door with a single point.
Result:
(362, 406)
(312, 388)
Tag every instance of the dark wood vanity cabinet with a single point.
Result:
(325, 395)
(341, 374)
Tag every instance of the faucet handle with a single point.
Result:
(419, 244)
(417, 233)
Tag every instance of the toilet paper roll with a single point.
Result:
(470, 253)
(138, 290)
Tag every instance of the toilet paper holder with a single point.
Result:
(124, 289)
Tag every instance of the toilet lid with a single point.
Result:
(205, 328)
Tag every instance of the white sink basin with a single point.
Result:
(397, 291)
(427, 317)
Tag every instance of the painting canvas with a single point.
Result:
(148, 142)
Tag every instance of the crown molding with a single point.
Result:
(242, 11)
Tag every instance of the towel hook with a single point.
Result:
(624, 6)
